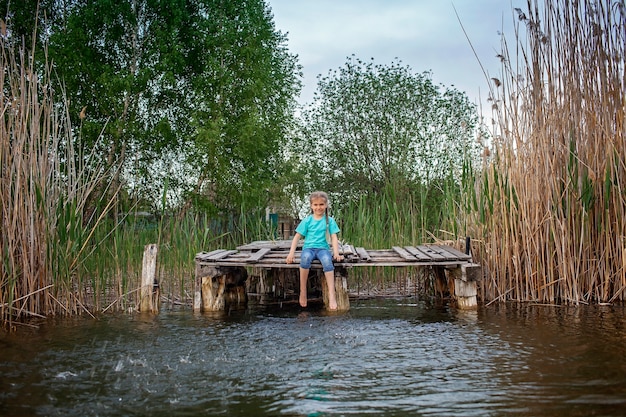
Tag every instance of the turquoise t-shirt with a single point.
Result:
(314, 231)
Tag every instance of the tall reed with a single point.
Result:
(549, 209)
(43, 190)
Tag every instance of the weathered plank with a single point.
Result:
(256, 256)
(449, 252)
(403, 253)
(430, 252)
(347, 250)
(226, 254)
(363, 254)
(418, 254)
(206, 256)
(216, 255)
(383, 254)
(349, 253)
(452, 253)
(274, 244)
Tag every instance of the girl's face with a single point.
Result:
(318, 206)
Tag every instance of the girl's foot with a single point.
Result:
(303, 300)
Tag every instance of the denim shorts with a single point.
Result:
(323, 255)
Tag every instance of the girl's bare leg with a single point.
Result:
(330, 283)
(304, 276)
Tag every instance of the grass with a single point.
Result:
(399, 217)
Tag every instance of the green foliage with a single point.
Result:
(371, 126)
(22, 17)
(199, 92)
(248, 108)
(390, 145)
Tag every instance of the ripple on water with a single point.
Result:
(389, 357)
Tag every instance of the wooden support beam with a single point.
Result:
(219, 287)
(463, 278)
(213, 293)
(465, 293)
(471, 272)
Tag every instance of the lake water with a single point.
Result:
(385, 357)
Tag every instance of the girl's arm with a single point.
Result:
(294, 245)
(335, 244)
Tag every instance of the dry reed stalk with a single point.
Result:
(555, 226)
(42, 196)
(23, 152)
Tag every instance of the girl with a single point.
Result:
(316, 228)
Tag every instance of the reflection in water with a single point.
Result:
(571, 358)
(384, 357)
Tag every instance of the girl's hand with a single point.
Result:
(289, 259)
(338, 257)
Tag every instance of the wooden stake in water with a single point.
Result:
(148, 280)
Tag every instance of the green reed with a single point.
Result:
(114, 266)
(421, 213)
(411, 216)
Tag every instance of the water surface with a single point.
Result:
(391, 357)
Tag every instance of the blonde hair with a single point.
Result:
(318, 194)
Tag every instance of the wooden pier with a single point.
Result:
(225, 277)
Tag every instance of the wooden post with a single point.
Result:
(219, 287)
(213, 293)
(261, 283)
(441, 282)
(341, 290)
(148, 280)
(465, 280)
(197, 291)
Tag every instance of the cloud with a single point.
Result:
(423, 34)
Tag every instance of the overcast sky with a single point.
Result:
(426, 35)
